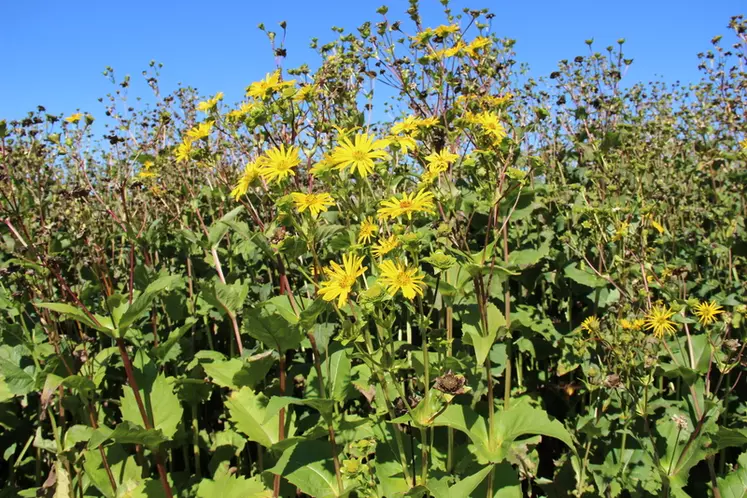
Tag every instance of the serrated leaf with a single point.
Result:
(247, 410)
(734, 485)
(142, 303)
(161, 405)
(309, 466)
(232, 486)
(273, 331)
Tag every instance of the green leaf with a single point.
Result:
(247, 411)
(273, 331)
(309, 466)
(162, 406)
(734, 485)
(730, 437)
(142, 303)
(126, 472)
(584, 276)
(277, 403)
(220, 227)
(73, 313)
(336, 368)
(128, 433)
(163, 349)
(63, 487)
(232, 486)
(19, 381)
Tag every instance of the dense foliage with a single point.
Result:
(413, 271)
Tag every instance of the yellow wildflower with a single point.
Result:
(200, 131)
(445, 30)
(243, 110)
(590, 324)
(412, 125)
(659, 321)
(306, 92)
(491, 124)
(405, 143)
(184, 150)
(477, 44)
(408, 204)
(341, 279)
(438, 162)
(146, 171)
(265, 88)
(210, 104)
(626, 324)
(367, 230)
(707, 311)
(315, 203)
(278, 163)
(251, 173)
(657, 226)
(398, 276)
(386, 245)
(74, 118)
(359, 154)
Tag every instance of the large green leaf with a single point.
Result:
(161, 405)
(336, 368)
(309, 466)
(273, 331)
(126, 472)
(225, 485)
(18, 380)
(734, 485)
(142, 303)
(248, 410)
(583, 276)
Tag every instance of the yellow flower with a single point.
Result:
(412, 125)
(448, 52)
(243, 110)
(202, 130)
(438, 162)
(658, 321)
(743, 143)
(639, 323)
(266, 87)
(146, 172)
(478, 43)
(426, 179)
(408, 204)
(491, 125)
(657, 226)
(626, 324)
(306, 92)
(404, 143)
(74, 118)
(315, 203)
(386, 245)
(184, 150)
(278, 163)
(444, 30)
(251, 173)
(341, 279)
(211, 103)
(707, 311)
(367, 230)
(398, 276)
(590, 324)
(359, 154)
(324, 165)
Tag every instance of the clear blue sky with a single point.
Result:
(54, 52)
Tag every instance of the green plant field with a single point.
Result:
(415, 270)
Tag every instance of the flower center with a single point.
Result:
(359, 155)
(405, 204)
(403, 279)
(347, 282)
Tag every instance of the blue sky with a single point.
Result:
(53, 53)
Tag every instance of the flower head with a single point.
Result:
(184, 150)
(491, 125)
(408, 204)
(659, 321)
(278, 163)
(251, 173)
(438, 162)
(477, 44)
(341, 279)
(359, 153)
(398, 276)
(315, 203)
(707, 311)
(200, 131)
(405, 143)
(590, 325)
(210, 104)
(265, 88)
(386, 245)
(412, 125)
(74, 118)
(367, 230)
